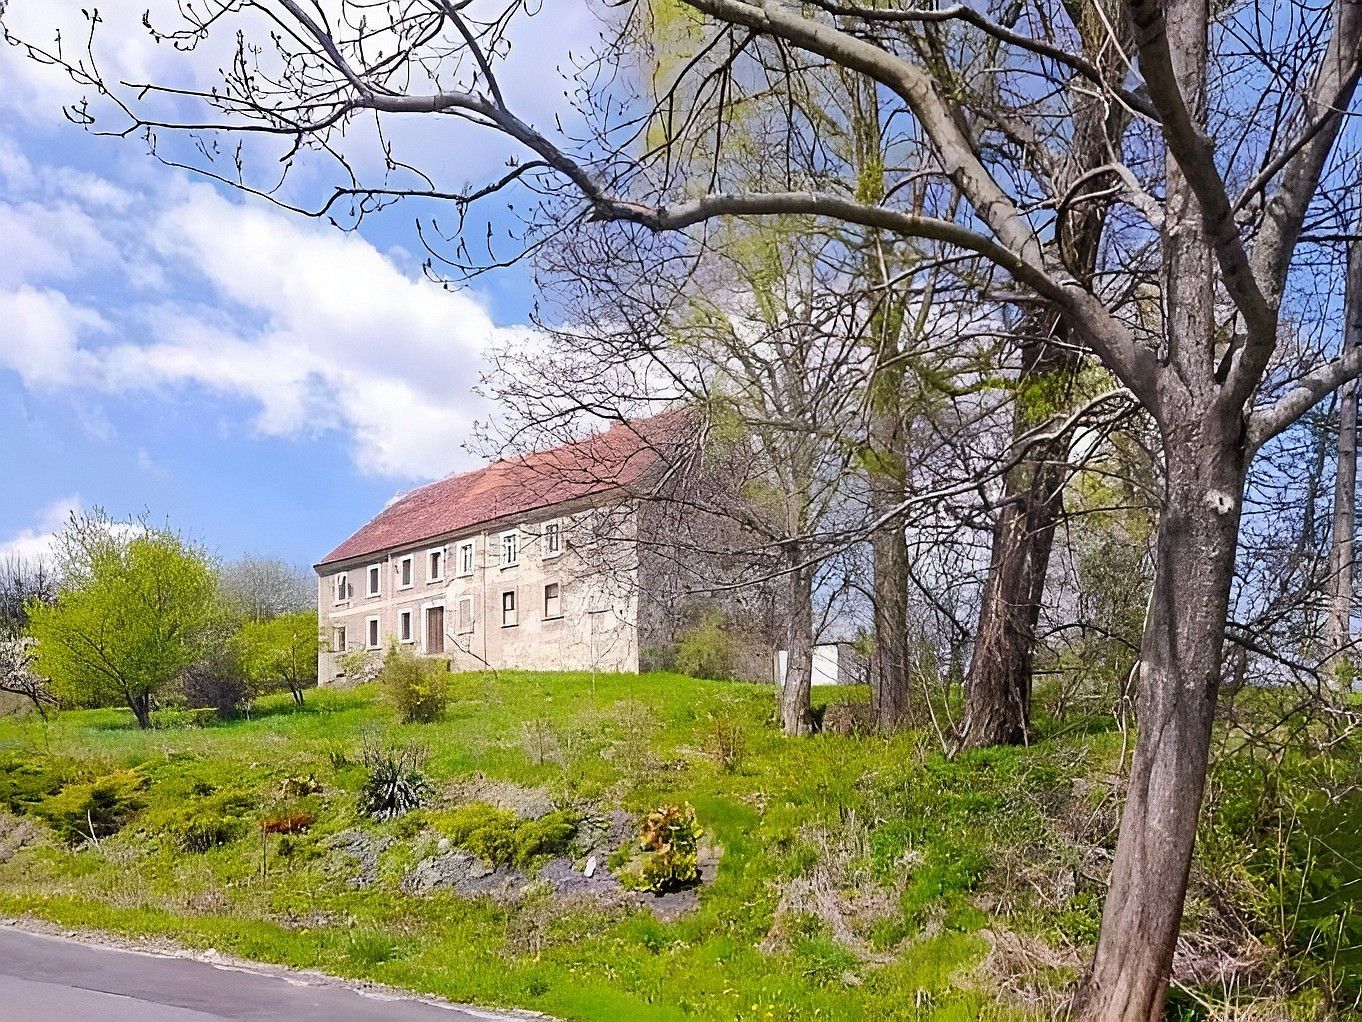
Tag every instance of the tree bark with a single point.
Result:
(1179, 679)
(1205, 447)
(1341, 557)
(796, 714)
(998, 684)
(140, 704)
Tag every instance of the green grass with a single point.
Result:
(937, 841)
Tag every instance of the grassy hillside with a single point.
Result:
(860, 878)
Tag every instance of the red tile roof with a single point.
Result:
(618, 458)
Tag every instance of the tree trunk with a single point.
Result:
(1179, 679)
(140, 704)
(1345, 486)
(998, 684)
(890, 659)
(796, 714)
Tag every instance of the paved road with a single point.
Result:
(52, 979)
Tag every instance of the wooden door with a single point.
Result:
(435, 629)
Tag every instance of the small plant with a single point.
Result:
(297, 787)
(294, 823)
(670, 839)
(418, 689)
(726, 741)
(395, 785)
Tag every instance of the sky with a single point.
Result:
(169, 346)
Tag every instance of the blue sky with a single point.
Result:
(264, 381)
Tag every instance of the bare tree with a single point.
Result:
(23, 582)
(1227, 170)
(263, 588)
(1341, 559)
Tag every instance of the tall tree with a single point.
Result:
(130, 616)
(1186, 315)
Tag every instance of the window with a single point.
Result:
(435, 629)
(510, 548)
(435, 566)
(375, 579)
(371, 629)
(404, 626)
(465, 615)
(404, 572)
(466, 558)
(338, 639)
(508, 615)
(553, 540)
(553, 600)
(342, 588)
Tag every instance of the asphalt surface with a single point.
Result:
(53, 979)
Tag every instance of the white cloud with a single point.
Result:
(35, 542)
(318, 329)
(42, 330)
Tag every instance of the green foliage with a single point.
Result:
(1281, 832)
(94, 809)
(131, 616)
(670, 839)
(705, 649)
(205, 820)
(26, 781)
(279, 653)
(499, 836)
(395, 784)
(418, 689)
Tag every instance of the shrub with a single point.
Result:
(94, 809)
(26, 781)
(418, 689)
(206, 821)
(395, 784)
(670, 839)
(705, 650)
(660, 657)
(499, 837)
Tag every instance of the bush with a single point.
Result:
(499, 836)
(94, 809)
(418, 689)
(706, 650)
(26, 781)
(206, 821)
(670, 839)
(395, 784)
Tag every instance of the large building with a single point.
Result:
(533, 562)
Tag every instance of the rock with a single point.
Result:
(443, 845)
(590, 869)
(363, 850)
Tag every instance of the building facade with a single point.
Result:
(532, 563)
